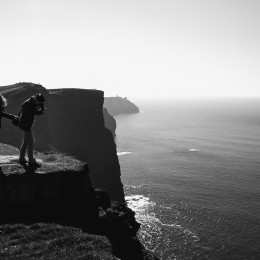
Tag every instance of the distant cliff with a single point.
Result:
(73, 124)
(119, 105)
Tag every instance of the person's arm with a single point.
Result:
(39, 109)
(6, 115)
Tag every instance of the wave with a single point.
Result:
(139, 202)
(133, 187)
(194, 150)
(123, 153)
(166, 234)
(145, 208)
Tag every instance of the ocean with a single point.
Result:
(191, 172)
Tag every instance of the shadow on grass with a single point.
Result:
(30, 169)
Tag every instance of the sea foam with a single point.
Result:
(123, 153)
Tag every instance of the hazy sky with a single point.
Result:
(133, 48)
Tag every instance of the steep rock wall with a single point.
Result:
(59, 191)
(77, 126)
(110, 122)
(74, 124)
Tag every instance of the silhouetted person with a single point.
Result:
(31, 107)
(3, 104)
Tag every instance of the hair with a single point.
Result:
(3, 101)
(40, 97)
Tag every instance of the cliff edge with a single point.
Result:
(59, 191)
(73, 124)
(110, 122)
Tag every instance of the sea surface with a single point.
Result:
(191, 172)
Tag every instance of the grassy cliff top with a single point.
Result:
(50, 162)
(51, 241)
(45, 240)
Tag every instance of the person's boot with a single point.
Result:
(33, 162)
(22, 160)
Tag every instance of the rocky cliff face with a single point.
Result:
(73, 124)
(59, 191)
(110, 122)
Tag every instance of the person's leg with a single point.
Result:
(30, 150)
(23, 147)
(30, 146)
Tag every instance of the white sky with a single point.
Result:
(133, 48)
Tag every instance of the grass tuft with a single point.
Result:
(51, 241)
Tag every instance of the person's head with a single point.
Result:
(38, 99)
(3, 102)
